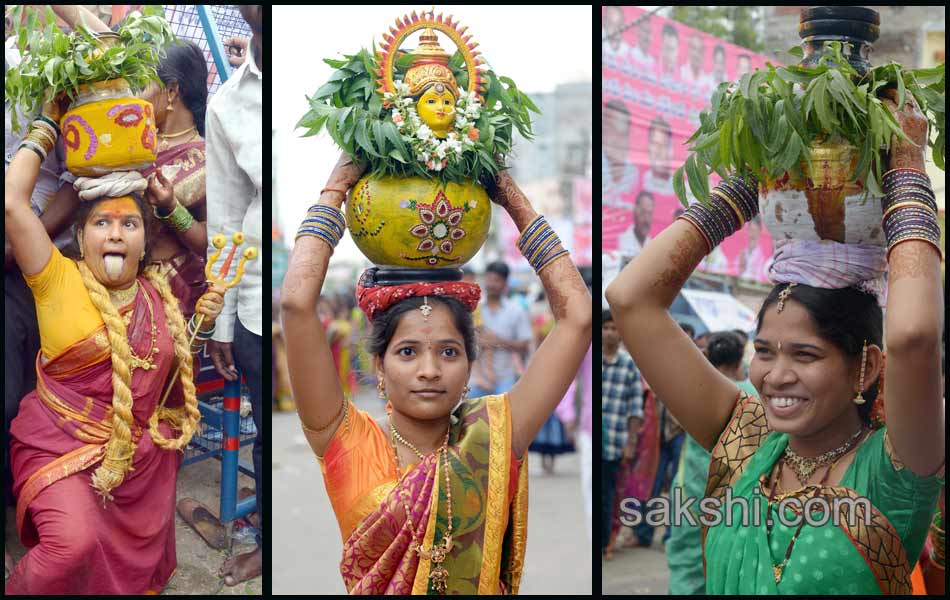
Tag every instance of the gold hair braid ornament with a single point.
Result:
(783, 296)
(431, 64)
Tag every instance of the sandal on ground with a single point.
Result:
(203, 521)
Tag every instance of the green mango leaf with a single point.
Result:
(679, 188)
(725, 140)
(790, 153)
(796, 51)
(698, 184)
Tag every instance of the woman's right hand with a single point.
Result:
(55, 108)
(345, 174)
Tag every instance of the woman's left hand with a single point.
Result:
(160, 192)
(913, 123)
(210, 304)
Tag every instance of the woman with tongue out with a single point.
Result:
(94, 449)
(819, 371)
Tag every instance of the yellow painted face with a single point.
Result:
(436, 108)
(113, 241)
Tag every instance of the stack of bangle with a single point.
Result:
(204, 336)
(732, 204)
(938, 537)
(909, 209)
(324, 222)
(42, 136)
(179, 219)
(537, 242)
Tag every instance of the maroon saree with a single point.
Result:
(78, 544)
(184, 167)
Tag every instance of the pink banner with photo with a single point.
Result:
(583, 215)
(658, 75)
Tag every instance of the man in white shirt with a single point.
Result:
(633, 239)
(670, 50)
(235, 172)
(658, 178)
(619, 175)
(615, 50)
(692, 71)
(641, 52)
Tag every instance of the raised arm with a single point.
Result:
(554, 366)
(25, 231)
(913, 325)
(74, 14)
(700, 397)
(313, 376)
(161, 195)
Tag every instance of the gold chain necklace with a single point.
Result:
(438, 552)
(148, 362)
(804, 466)
(165, 144)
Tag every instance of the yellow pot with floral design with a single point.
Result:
(108, 129)
(417, 222)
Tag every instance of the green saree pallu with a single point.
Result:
(873, 554)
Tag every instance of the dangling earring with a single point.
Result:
(382, 389)
(170, 107)
(465, 391)
(859, 399)
(141, 258)
(81, 252)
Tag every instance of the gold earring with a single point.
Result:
(465, 391)
(170, 107)
(859, 399)
(382, 389)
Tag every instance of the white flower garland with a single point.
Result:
(429, 150)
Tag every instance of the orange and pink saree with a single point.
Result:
(489, 515)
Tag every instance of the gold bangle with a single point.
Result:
(39, 133)
(699, 229)
(38, 139)
(731, 204)
(904, 169)
(905, 204)
(343, 409)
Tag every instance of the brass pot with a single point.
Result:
(826, 185)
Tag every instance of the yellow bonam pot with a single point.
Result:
(108, 129)
(417, 222)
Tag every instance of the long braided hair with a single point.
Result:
(120, 448)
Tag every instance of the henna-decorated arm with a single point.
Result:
(913, 326)
(700, 397)
(313, 376)
(552, 368)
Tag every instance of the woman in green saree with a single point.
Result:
(818, 368)
(438, 503)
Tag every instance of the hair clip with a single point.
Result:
(783, 296)
(425, 308)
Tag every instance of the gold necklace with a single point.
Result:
(438, 552)
(178, 133)
(165, 144)
(121, 298)
(148, 362)
(804, 466)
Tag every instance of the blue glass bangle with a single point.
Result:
(537, 242)
(539, 259)
(532, 237)
(530, 229)
(326, 222)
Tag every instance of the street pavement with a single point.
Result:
(637, 571)
(307, 546)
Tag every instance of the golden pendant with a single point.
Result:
(777, 569)
(138, 363)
